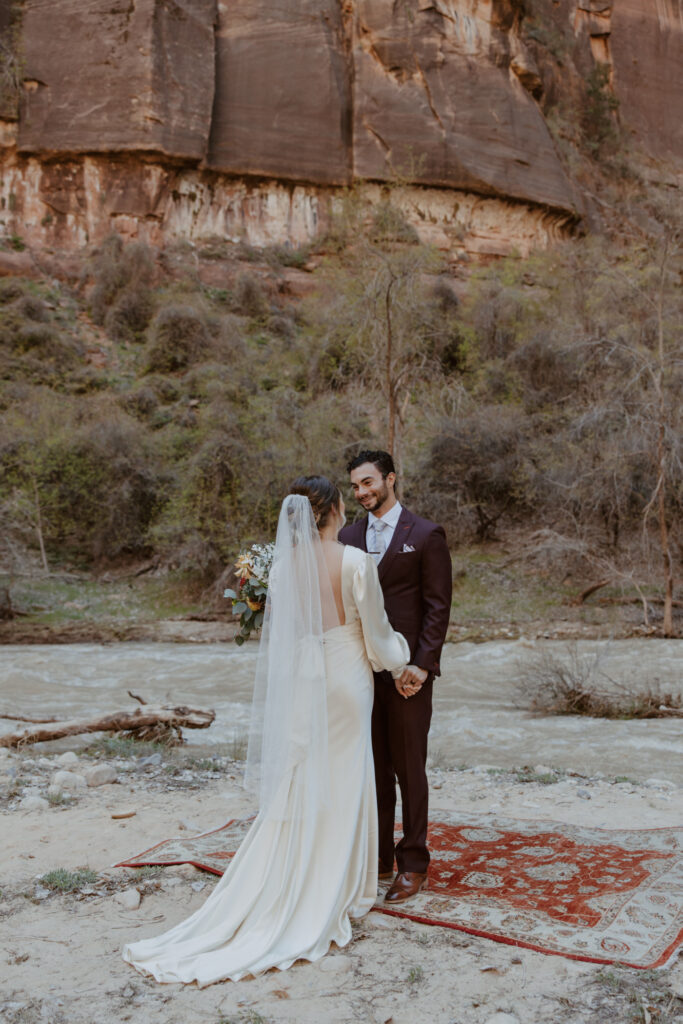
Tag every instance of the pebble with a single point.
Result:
(68, 780)
(129, 899)
(584, 794)
(33, 803)
(68, 758)
(502, 1018)
(100, 775)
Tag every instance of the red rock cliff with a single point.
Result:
(241, 118)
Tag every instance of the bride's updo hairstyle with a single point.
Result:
(322, 494)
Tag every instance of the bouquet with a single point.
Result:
(253, 570)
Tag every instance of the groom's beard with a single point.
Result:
(376, 499)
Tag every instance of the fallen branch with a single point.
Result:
(33, 721)
(636, 600)
(162, 724)
(580, 598)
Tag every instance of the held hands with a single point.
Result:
(410, 681)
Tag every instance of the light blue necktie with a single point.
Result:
(380, 544)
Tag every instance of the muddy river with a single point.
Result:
(479, 717)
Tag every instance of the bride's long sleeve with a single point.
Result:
(386, 649)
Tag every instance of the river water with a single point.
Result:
(478, 715)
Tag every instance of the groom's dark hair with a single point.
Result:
(382, 460)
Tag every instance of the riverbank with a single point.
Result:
(495, 597)
(207, 630)
(61, 950)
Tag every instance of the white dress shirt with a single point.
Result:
(390, 519)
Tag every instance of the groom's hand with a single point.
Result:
(410, 681)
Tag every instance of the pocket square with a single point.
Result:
(407, 548)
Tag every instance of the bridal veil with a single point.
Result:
(288, 730)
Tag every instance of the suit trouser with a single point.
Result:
(399, 744)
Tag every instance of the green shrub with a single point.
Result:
(390, 225)
(600, 105)
(68, 881)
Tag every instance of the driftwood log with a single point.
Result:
(160, 723)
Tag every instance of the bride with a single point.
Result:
(309, 861)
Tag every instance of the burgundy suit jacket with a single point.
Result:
(417, 584)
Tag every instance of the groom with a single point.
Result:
(414, 567)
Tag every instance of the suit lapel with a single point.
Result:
(359, 534)
(401, 534)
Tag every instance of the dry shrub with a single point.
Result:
(121, 299)
(445, 294)
(249, 297)
(478, 464)
(141, 403)
(44, 342)
(11, 288)
(549, 372)
(570, 685)
(283, 326)
(31, 307)
(548, 551)
(130, 315)
(180, 337)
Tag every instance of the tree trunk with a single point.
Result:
(39, 525)
(667, 625)
(391, 438)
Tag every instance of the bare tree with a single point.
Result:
(375, 313)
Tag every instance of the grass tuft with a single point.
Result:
(68, 881)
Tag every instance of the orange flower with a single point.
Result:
(255, 606)
(243, 566)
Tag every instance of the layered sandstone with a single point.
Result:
(283, 91)
(162, 119)
(107, 75)
(436, 100)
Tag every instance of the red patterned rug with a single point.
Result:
(605, 896)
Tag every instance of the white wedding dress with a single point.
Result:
(298, 877)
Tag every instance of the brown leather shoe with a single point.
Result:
(404, 886)
(383, 872)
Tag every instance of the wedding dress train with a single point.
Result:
(298, 877)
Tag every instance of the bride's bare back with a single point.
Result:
(331, 584)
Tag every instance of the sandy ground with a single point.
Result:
(59, 952)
